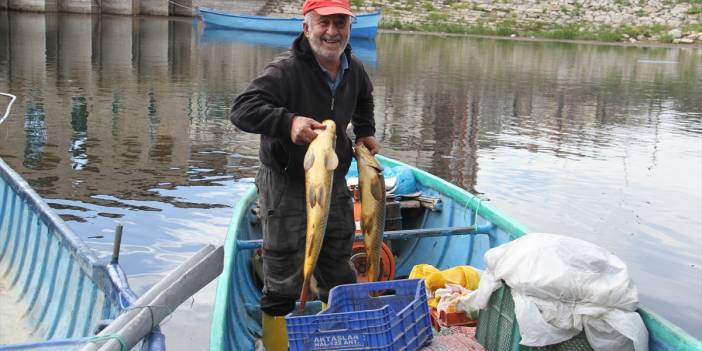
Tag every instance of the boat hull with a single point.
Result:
(236, 317)
(365, 25)
(60, 290)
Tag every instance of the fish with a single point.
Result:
(371, 184)
(319, 163)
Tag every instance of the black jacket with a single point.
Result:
(293, 84)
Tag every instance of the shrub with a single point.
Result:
(694, 9)
(666, 38)
(568, 32)
(427, 6)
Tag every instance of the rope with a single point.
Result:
(475, 214)
(7, 111)
(475, 217)
(120, 339)
(151, 311)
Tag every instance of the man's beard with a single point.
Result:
(318, 46)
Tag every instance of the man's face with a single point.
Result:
(328, 35)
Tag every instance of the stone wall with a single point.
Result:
(558, 12)
(674, 15)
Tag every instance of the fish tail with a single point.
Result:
(304, 293)
(371, 270)
(372, 264)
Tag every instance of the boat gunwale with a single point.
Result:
(668, 332)
(458, 194)
(78, 248)
(217, 329)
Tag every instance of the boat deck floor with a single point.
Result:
(455, 338)
(13, 328)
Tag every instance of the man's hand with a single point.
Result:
(302, 130)
(370, 143)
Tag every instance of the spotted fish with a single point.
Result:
(320, 163)
(372, 188)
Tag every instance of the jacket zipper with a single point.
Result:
(332, 103)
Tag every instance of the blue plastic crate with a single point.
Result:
(356, 319)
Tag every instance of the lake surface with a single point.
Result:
(124, 120)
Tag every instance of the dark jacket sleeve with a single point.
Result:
(362, 119)
(259, 109)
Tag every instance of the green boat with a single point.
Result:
(446, 226)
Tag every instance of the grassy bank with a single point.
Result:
(509, 28)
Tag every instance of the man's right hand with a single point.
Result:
(302, 130)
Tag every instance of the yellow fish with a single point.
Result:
(372, 187)
(320, 163)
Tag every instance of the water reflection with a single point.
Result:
(36, 135)
(364, 49)
(79, 124)
(123, 118)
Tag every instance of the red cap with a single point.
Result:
(327, 7)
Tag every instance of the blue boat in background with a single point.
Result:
(363, 49)
(364, 26)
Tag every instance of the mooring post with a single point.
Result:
(116, 244)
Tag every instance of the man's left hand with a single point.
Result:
(370, 143)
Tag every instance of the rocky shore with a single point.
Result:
(669, 21)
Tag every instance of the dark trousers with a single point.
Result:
(284, 220)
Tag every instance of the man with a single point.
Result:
(317, 79)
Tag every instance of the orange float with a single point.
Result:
(358, 259)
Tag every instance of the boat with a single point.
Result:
(365, 50)
(445, 226)
(54, 292)
(364, 25)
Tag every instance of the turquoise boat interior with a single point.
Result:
(441, 224)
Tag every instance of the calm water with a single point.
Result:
(124, 120)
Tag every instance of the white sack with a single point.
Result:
(561, 286)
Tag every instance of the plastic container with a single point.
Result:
(358, 320)
(498, 329)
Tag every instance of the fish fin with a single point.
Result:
(309, 160)
(366, 223)
(331, 161)
(312, 197)
(304, 293)
(377, 189)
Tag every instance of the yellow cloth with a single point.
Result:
(465, 276)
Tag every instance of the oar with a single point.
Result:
(161, 300)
